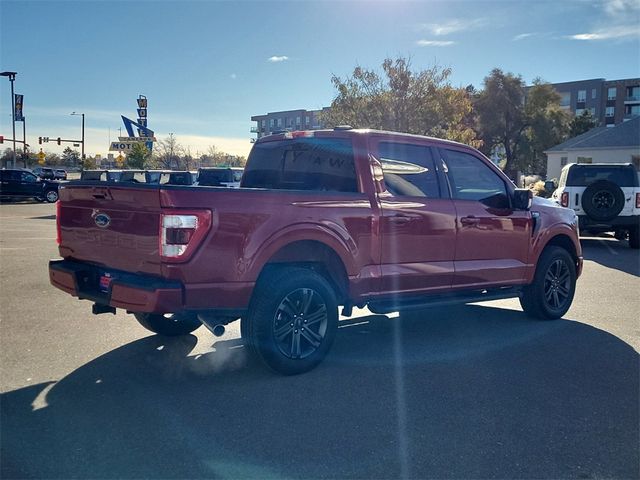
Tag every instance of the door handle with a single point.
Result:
(470, 221)
(400, 219)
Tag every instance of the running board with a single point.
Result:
(416, 303)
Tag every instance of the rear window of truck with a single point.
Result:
(317, 164)
(582, 176)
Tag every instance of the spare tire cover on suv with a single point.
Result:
(602, 200)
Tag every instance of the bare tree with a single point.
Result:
(167, 153)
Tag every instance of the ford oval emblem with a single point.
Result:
(102, 220)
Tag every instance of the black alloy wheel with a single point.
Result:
(557, 284)
(550, 294)
(300, 323)
(292, 319)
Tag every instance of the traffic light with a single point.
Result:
(58, 140)
(40, 140)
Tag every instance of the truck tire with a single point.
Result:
(554, 285)
(634, 237)
(51, 196)
(603, 200)
(292, 320)
(169, 324)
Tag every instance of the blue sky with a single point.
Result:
(207, 66)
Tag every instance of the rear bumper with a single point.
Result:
(144, 293)
(627, 222)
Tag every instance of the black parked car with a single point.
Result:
(60, 174)
(45, 173)
(24, 184)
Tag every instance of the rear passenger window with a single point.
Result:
(408, 170)
(318, 164)
(472, 179)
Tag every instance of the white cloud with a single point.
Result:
(621, 7)
(620, 20)
(522, 36)
(614, 32)
(454, 26)
(277, 59)
(435, 43)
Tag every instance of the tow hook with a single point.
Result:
(98, 308)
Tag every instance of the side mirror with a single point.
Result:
(522, 199)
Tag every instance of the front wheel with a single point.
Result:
(554, 285)
(293, 320)
(169, 324)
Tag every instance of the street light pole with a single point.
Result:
(82, 141)
(12, 77)
(24, 141)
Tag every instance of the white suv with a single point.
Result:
(605, 196)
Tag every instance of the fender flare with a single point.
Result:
(336, 239)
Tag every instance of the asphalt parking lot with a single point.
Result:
(477, 391)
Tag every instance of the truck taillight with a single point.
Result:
(58, 229)
(638, 200)
(181, 232)
(564, 199)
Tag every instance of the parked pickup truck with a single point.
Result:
(322, 219)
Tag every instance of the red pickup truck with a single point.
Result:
(323, 219)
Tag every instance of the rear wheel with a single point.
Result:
(634, 237)
(169, 324)
(51, 196)
(554, 284)
(292, 320)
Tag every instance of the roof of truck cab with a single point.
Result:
(355, 131)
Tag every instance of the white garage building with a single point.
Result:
(619, 144)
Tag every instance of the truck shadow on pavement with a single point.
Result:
(612, 254)
(464, 392)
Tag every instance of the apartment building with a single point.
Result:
(287, 120)
(610, 101)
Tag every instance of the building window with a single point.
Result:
(582, 95)
(271, 122)
(579, 111)
(563, 161)
(633, 93)
(632, 110)
(592, 111)
(594, 93)
(298, 121)
(306, 120)
(279, 122)
(264, 123)
(565, 99)
(610, 111)
(611, 93)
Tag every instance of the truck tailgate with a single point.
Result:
(111, 225)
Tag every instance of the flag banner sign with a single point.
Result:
(18, 107)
